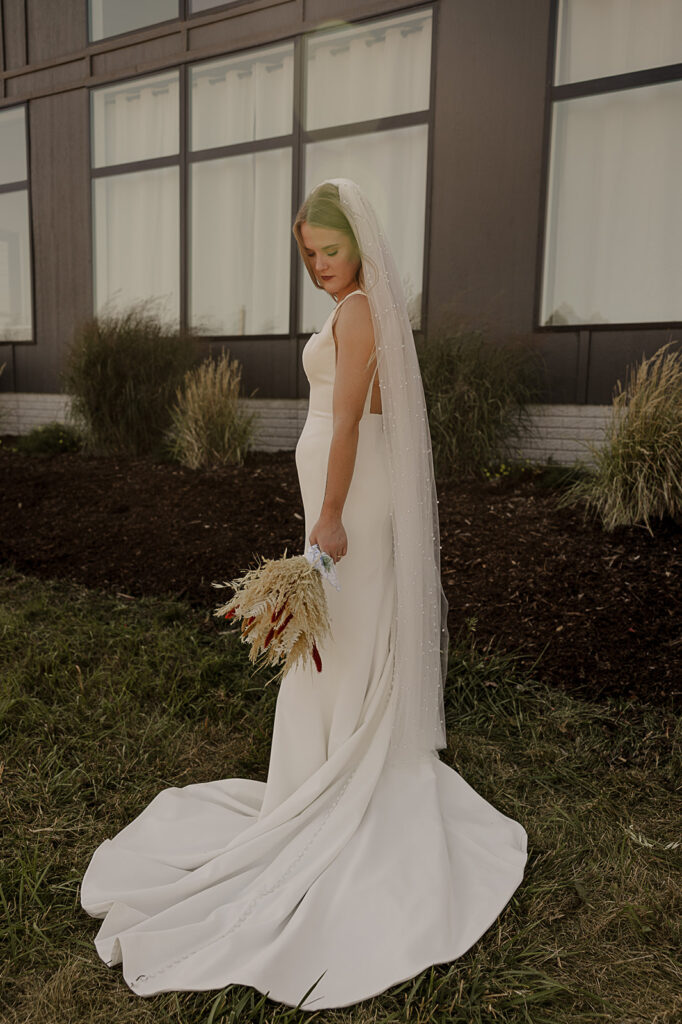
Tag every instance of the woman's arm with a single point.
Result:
(354, 338)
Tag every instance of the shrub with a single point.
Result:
(208, 428)
(50, 439)
(477, 394)
(121, 372)
(637, 474)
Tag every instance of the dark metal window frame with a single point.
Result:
(185, 14)
(24, 185)
(574, 90)
(297, 140)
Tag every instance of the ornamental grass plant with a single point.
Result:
(477, 393)
(121, 371)
(637, 474)
(208, 427)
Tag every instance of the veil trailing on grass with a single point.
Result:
(420, 621)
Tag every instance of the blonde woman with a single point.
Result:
(364, 858)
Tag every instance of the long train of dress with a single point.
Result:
(345, 868)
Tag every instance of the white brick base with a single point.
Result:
(20, 413)
(562, 433)
(559, 432)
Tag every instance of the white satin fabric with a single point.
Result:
(346, 866)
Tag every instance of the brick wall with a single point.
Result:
(558, 432)
(563, 432)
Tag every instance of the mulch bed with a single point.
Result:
(602, 612)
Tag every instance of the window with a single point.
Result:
(203, 222)
(16, 320)
(136, 193)
(241, 116)
(366, 118)
(614, 200)
(111, 17)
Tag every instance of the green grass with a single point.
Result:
(106, 700)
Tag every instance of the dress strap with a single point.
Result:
(339, 304)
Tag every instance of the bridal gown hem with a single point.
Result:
(348, 865)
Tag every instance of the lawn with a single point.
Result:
(107, 698)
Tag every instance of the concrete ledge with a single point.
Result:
(557, 432)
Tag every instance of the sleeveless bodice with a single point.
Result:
(319, 364)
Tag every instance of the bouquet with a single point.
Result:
(283, 608)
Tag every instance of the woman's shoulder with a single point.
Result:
(354, 320)
(355, 306)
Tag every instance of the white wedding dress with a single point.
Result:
(346, 868)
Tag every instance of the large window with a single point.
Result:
(16, 321)
(614, 201)
(366, 118)
(241, 123)
(136, 194)
(200, 217)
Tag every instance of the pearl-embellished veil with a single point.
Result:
(420, 620)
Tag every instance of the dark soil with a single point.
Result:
(600, 614)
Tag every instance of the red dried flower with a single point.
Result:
(276, 614)
(316, 657)
(285, 623)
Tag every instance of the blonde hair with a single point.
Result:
(322, 209)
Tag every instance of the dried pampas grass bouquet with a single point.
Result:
(283, 608)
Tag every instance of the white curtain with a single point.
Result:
(243, 98)
(615, 209)
(205, 5)
(137, 240)
(390, 167)
(109, 17)
(368, 71)
(12, 145)
(15, 267)
(136, 120)
(597, 38)
(240, 243)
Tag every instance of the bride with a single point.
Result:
(364, 858)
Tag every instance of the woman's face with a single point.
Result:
(332, 258)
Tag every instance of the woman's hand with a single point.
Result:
(328, 533)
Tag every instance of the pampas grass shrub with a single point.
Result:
(477, 392)
(121, 371)
(637, 474)
(208, 427)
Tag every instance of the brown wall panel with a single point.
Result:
(612, 351)
(132, 58)
(55, 29)
(70, 73)
(14, 27)
(267, 364)
(7, 375)
(491, 59)
(60, 194)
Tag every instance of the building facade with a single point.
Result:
(523, 156)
